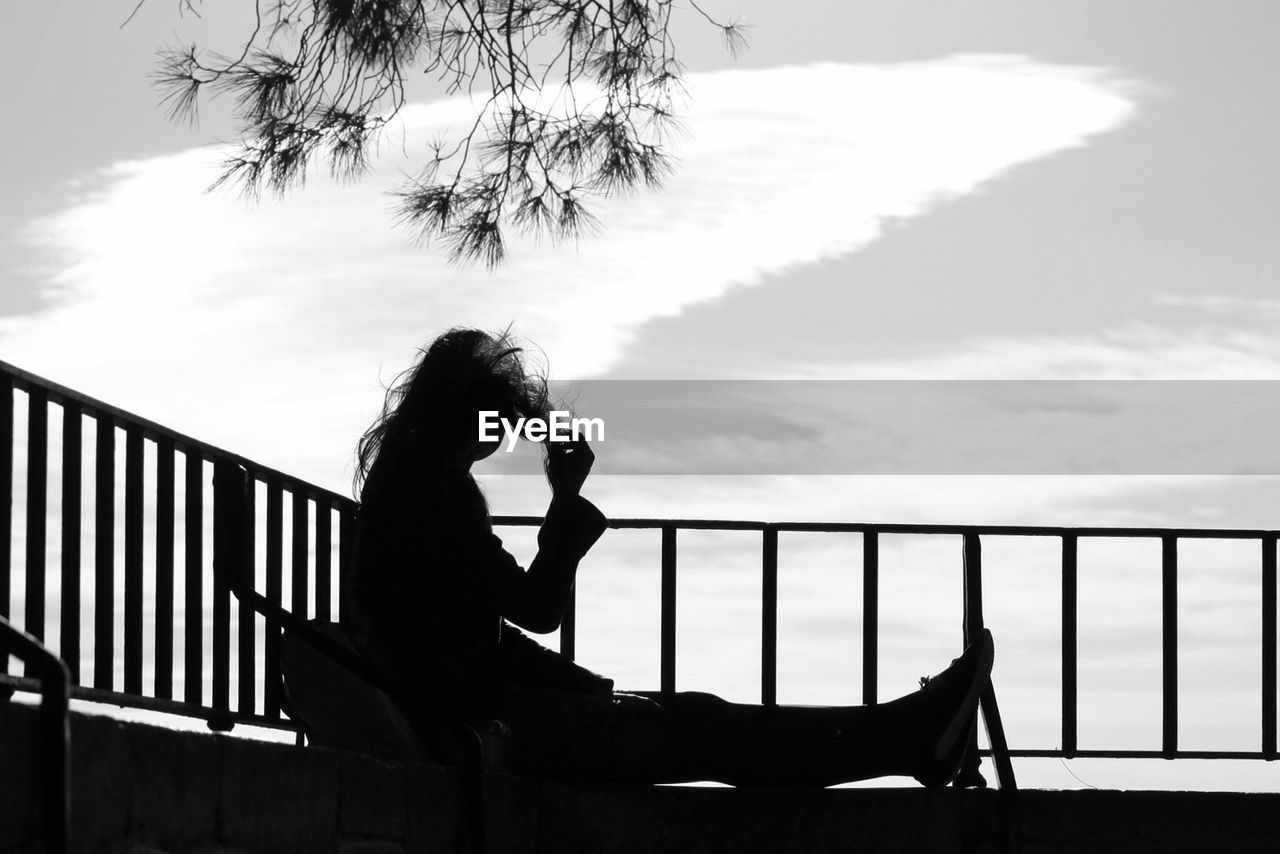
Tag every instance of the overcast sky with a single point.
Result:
(893, 190)
(987, 190)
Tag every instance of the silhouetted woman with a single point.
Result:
(435, 599)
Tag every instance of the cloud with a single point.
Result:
(1130, 352)
(1222, 305)
(265, 328)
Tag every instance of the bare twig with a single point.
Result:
(325, 77)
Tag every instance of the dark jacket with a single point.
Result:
(432, 585)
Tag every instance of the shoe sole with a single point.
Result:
(956, 727)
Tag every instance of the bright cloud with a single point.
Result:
(265, 328)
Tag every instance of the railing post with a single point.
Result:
(1269, 646)
(244, 569)
(969, 775)
(163, 656)
(769, 618)
(37, 511)
(55, 737)
(300, 593)
(1069, 643)
(275, 593)
(133, 503)
(72, 445)
(224, 548)
(233, 567)
(1169, 638)
(53, 732)
(6, 500)
(104, 524)
(870, 616)
(668, 614)
(193, 582)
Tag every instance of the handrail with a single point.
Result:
(55, 393)
(918, 528)
(55, 735)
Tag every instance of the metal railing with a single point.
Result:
(182, 465)
(206, 606)
(972, 537)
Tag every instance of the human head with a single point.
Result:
(430, 415)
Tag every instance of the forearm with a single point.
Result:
(548, 583)
(572, 525)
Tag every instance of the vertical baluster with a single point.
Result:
(1269, 646)
(668, 613)
(299, 554)
(870, 616)
(769, 617)
(324, 547)
(1169, 596)
(163, 654)
(104, 544)
(1069, 643)
(37, 510)
(6, 498)
(72, 450)
(232, 571)
(973, 618)
(275, 592)
(193, 565)
(221, 651)
(133, 503)
(973, 623)
(299, 560)
(247, 546)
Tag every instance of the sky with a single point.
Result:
(881, 190)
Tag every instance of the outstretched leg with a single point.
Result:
(692, 736)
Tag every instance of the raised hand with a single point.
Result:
(567, 466)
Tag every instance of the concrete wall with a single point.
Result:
(146, 789)
(947, 821)
(138, 787)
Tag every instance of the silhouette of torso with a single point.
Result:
(427, 574)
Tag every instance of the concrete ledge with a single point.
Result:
(140, 788)
(627, 819)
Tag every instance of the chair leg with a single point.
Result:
(995, 736)
(1004, 769)
(969, 776)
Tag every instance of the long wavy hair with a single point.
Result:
(429, 415)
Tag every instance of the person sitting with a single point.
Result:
(438, 603)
